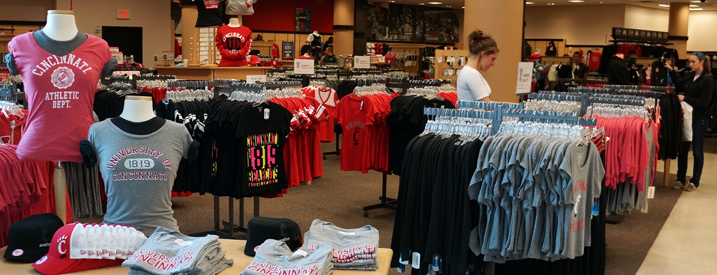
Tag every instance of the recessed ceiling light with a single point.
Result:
(448, 6)
(435, 3)
(576, 1)
(421, 4)
(665, 5)
(695, 9)
(694, 6)
(529, 3)
(464, 7)
(551, 4)
(392, 1)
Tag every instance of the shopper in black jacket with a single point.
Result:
(617, 73)
(696, 89)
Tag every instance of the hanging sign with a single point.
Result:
(362, 62)
(303, 66)
(525, 78)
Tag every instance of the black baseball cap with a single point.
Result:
(29, 239)
(260, 229)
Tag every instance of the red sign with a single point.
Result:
(122, 14)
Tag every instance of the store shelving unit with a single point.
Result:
(441, 67)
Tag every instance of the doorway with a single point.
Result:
(127, 39)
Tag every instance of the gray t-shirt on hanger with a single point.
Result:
(583, 166)
(139, 172)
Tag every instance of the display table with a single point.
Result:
(210, 73)
(235, 251)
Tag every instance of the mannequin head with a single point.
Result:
(483, 49)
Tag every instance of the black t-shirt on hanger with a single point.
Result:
(262, 132)
(210, 13)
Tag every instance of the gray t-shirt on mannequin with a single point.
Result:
(59, 48)
(139, 171)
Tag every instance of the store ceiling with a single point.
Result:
(709, 5)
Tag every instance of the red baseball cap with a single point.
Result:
(58, 260)
(70, 245)
(254, 60)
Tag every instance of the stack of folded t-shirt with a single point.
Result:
(171, 252)
(353, 249)
(275, 257)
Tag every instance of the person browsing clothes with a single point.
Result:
(484, 51)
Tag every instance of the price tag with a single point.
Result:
(651, 192)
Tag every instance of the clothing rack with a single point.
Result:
(191, 84)
(487, 105)
(428, 82)
(7, 90)
(226, 229)
(497, 115)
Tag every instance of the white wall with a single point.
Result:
(579, 25)
(152, 15)
(28, 10)
(642, 18)
(701, 31)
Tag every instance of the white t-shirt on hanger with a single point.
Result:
(471, 85)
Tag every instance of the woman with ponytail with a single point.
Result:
(471, 84)
(696, 89)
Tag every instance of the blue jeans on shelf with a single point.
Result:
(699, 127)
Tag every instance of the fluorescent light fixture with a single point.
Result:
(576, 1)
(698, 1)
(695, 9)
(665, 5)
(435, 3)
(694, 6)
(529, 3)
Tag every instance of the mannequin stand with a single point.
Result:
(60, 179)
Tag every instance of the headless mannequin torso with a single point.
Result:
(60, 37)
(234, 22)
(60, 26)
(138, 117)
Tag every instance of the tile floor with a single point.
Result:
(687, 243)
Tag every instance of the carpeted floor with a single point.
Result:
(339, 197)
(629, 241)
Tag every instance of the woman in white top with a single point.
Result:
(471, 84)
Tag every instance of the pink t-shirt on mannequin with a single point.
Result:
(60, 91)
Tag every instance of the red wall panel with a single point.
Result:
(278, 15)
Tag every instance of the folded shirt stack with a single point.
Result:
(274, 257)
(170, 252)
(353, 249)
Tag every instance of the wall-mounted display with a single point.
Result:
(409, 23)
